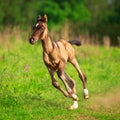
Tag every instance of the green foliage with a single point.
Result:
(58, 12)
(61, 12)
(96, 17)
(105, 18)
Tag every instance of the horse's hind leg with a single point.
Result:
(82, 77)
(70, 87)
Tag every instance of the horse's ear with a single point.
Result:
(45, 18)
(39, 18)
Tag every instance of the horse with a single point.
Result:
(55, 56)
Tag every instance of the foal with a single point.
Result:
(55, 56)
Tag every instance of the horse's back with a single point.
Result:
(66, 49)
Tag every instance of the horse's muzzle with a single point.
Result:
(31, 40)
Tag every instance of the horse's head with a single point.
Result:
(39, 29)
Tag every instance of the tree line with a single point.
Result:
(93, 16)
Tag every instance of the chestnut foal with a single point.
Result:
(55, 56)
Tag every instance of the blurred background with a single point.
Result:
(93, 21)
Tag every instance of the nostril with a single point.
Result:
(31, 40)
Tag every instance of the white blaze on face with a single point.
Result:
(36, 25)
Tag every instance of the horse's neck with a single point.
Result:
(47, 44)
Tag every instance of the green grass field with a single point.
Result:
(26, 92)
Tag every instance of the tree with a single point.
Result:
(105, 18)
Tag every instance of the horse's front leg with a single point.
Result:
(56, 84)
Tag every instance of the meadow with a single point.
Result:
(26, 92)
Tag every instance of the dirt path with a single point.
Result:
(108, 101)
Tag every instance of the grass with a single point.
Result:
(26, 91)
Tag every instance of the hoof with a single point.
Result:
(74, 106)
(86, 96)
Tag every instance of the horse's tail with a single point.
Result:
(75, 42)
